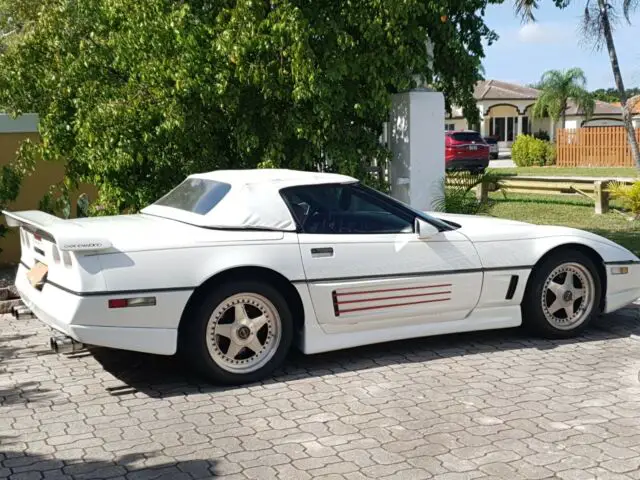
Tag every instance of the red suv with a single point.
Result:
(466, 150)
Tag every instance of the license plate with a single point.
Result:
(37, 273)
(473, 147)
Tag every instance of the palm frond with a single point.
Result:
(525, 8)
(558, 87)
(629, 7)
(576, 75)
(456, 195)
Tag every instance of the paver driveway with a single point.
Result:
(488, 405)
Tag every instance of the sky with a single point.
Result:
(525, 51)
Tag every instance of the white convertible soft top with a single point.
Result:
(253, 201)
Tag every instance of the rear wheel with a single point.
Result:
(241, 332)
(563, 295)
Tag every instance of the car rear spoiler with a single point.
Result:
(66, 234)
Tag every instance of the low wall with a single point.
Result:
(35, 186)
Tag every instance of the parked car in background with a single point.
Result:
(466, 150)
(493, 147)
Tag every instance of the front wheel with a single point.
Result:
(240, 334)
(563, 295)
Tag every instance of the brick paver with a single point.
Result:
(482, 405)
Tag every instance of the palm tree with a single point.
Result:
(598, 22)
(558, 87)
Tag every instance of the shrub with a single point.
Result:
(457, 192)
(550, 157)
(542, 135)
(629, 196)
(528, 151)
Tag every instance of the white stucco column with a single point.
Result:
(519, 130)
(483, 125)
(416, 141)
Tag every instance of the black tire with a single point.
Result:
(193, 341)
(534, 317)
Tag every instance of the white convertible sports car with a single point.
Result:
(232, 268)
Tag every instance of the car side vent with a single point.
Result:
(513, 284)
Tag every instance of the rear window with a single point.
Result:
(466, 137)
(195, 195)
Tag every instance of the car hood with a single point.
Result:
(486, 229)
(479, 228)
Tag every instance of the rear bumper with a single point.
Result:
(466, 163)
(87, 319)
(622, 290)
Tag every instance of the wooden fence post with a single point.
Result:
(482, 192)
(602, 196)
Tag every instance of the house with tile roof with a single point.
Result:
(505, 112)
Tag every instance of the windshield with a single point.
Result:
(437, 222)
(195, 195)
(467, 137)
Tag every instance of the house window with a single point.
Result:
(449, 126)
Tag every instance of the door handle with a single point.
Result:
(322, 252)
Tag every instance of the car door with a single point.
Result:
(366, 265)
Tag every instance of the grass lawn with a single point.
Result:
(571, 211)
(569, 172)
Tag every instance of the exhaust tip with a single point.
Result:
(23, 312)
(64, 344)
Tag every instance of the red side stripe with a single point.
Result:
(343, 302)
(378, 307)
(382, 290)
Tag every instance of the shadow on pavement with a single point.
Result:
(160, 376)
(21, 392)
(135, 465)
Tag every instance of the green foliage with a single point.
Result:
(457, 192)
(629, 196)
(542, 135)
(550, 154)
(135, 95)
(56, 201)
(10, 181)
(11, 177)
(611, 95)
(528, 151)
(82, 205)
(558, 87)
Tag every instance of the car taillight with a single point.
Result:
(132, 302)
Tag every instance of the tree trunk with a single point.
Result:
(613, 56)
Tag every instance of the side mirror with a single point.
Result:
(425, 229)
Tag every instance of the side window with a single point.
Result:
(345, 209)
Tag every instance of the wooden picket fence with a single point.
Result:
(594, 147)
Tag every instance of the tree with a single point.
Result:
(557, 89)
(135, 95)
(611, 95)
(598, 22)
